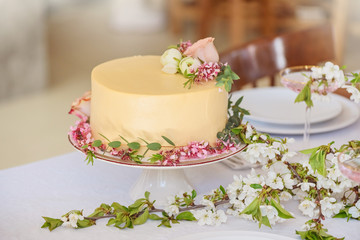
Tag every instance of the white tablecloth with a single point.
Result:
(54, 186)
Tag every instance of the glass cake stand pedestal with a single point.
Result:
(162, 180)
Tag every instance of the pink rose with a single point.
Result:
(81, 106)
(204, 49)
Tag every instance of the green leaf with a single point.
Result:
(147, 194)
(156, 157)
(134, 145)
(96, 143)
(281, 211)
(256, 186)
(252, 208)
(154, 146)
(317, 162)
(154, 217)
(188, 216)
(165, 223)
(310, 150)
(114, 144)
(104, 137)
(51, 223)
(341, 214)
(168, 141)
(85, 146)
(305, 95)
(265, 221)
(85, 223)
(193, 194)
(222, 189)
(142, 218)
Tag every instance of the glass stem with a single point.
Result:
(307, 125)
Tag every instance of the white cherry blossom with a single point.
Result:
(355, 210)
(172, 210)
(307, 207)
(285, 196)
(219, 217)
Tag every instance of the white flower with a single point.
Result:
(170, 68)
(249, 131)
(234, 188)
(332, 71)
(254, 178)
(238, 204)
(288, 181)
(172, 210)
(355, 210)
(305, 186)
(219, 217)
(269, 211)
(355, 93)
(209, 204)
(307, 207)
(288, 155)
(73, 218)
(285, 196)
(329, 207)
(204, 217)
(274, 181)
(171, 56)
(188, 65)
(317, 72)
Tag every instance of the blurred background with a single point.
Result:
(49, 47)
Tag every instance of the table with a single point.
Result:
(54, 186)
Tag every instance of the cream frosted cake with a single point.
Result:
(142, 103)
(133, 98)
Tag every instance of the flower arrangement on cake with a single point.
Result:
(315, 182)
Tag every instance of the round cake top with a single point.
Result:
(142, 75)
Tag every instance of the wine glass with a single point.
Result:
(350, 166)
(295, 78)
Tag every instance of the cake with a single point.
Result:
(176, 103)
(132, 98)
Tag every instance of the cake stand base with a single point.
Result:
(161, 183)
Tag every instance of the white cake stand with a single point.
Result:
(162, 181)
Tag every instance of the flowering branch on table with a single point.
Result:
(256, 197)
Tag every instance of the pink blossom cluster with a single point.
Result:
(207, 72)
(183, 46)
(81, 133)
(81, 136)
(196, 150)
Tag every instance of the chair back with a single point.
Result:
(267, 56)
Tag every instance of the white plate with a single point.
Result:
(233, 235)
(349, 114)
(276, 105)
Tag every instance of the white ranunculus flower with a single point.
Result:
(171, 56)
(170, 68)
(188, 65)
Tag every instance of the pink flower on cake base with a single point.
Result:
(81, 107)
(204, 49)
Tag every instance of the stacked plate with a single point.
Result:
(273, 110)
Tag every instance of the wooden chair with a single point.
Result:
(267, 56)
